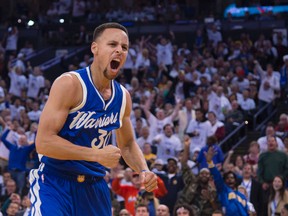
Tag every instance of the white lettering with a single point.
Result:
(85, 120)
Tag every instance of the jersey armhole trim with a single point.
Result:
(84, 96)
(123, 106)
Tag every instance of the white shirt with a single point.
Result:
(34, 115)
(17, 83)
(35, 83)
(267, 95)
(167, 146)
(164, 54)
(156, 125)
(247, 104)
(204, 130)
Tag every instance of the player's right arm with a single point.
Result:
(65, 94)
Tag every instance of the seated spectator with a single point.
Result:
(124, 212)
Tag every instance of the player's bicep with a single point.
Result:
(125, 134)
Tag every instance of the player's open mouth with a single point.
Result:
(114, 64)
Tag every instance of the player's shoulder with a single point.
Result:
(67, 81)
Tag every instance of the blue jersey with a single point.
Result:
(90, 124)
(235, 203)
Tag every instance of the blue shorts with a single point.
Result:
(65, 195)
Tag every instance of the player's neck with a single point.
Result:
(99, 80)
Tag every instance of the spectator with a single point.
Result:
(130, 192)
(168, 144)
(232, 201)
(269, 84)
(199, 129)
(253, 155)
(11, 40)
(148, 155)
(10, 188)
(251, 209)
(141, 210)
(183, 210)
(13, 209)
(145, 137)
(124, 212)
(35, 83)
(18, 82)
(278, 196)
(271, 163)
(184, 117)
(17, 158)
(263, 141)
(253, 188)
(162, 210)
(35, 113)
(234, 117)
(219, 103)
(218, 128)
(173, 182)
(284, 210)
(197, 192)
(218, 158)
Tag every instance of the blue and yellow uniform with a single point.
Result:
(234, 202)
(79, 183)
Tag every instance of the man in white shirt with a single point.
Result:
(168, 144)
(269, 84)
(219, 103)
(199, 129)
(263, 143)
(247, 104)
(36, 81)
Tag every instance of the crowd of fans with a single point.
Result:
(186, 98)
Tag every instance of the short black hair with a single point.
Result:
(100, 29)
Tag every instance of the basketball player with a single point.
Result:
(83, 108)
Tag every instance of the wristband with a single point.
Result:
(210, 164)
(144, 170)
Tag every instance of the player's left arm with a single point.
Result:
(131, 151)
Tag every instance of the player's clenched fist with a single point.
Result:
(108, 156)
(149, 180)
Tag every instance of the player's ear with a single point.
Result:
(94, 48)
